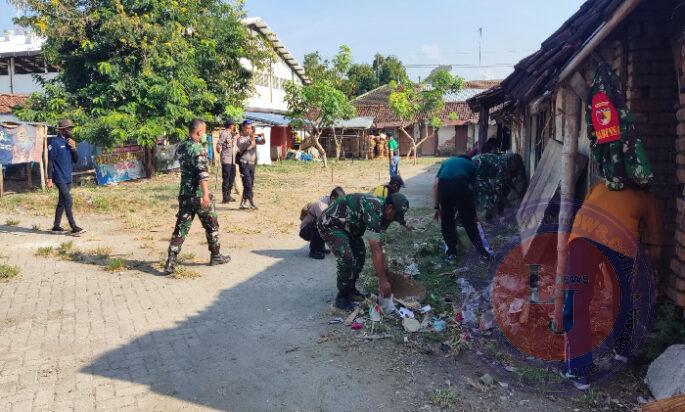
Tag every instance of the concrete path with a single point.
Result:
(243, 337)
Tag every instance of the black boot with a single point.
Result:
(242, 204)
(219, 259)
(252, 205)
(343, 301)
(315, 254)
(170, 265)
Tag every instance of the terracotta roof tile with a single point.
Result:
(8, 101)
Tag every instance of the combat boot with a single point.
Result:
(170, 265)
(358, 296)
(219, 259)
(343, 301)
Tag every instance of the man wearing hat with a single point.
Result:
(62, 155)
(227, 150)
(343, 226)
(393, 155)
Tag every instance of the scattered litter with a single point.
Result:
(426, 309)
(387, 306)
(360, 320)
(406, 313)
(357, 326)
(352, 316)
(406, 339)
(375, 313)
(510, 369)
(405, 288)
(408, 303)
(439, 325)
(373, 337)
(292, 349)
(458, 317)
(335, 321)
(641, 400)
(412, 270)
(503, 384)
(411, 325)
(486, 321)
(448, 382)
(487, 380)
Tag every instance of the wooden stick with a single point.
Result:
(2, 182)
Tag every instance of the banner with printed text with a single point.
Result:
(19, 144)
(119, 164)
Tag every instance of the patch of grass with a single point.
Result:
(102, 252)
(35, 228)
(669, 329)
(11, 222)
(8, 271)
(532, 375)
(186, 257)
(45, 251)
(115, 265)
(65, 248)
(183, 272)
(591, 399)
(445, 398)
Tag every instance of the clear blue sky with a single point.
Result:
(417, 31)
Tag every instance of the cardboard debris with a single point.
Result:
(404, 288)
(352, 316)
(411, 325)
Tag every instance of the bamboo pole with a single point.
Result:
(568, 105)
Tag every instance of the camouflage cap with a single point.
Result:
(400, 203)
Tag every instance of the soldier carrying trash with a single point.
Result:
(343, 226)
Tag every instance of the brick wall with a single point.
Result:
(652, 93)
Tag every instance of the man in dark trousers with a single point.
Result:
(61, 157)
(226, 146)
(452, 194)
(194, 198)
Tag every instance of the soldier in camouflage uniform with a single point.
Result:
(496, 176)
(343, 225)
(194, 198)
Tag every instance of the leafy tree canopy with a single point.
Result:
(141, 69)
(352, 78)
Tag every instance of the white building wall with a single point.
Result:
(23, 83)
(269, 93)
(445, 134)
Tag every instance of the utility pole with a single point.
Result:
(480, 46)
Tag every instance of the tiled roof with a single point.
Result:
(538, 73)
(481, 84)
(8, 101)
(379, 95)
(383, 117)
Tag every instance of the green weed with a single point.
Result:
(102, 252)
(35, 228)
(669, 329)
(445, 398)
(11, 222)
(45, 251)
(183, 272)
(186, 257)
(8, 271)
(64, 248)
(532, 375)
(115, 265)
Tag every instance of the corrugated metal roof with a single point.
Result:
(363, 122)
(462, 95)
(271, 119)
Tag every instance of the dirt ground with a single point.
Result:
(90, 323)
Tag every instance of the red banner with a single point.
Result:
(605, 119)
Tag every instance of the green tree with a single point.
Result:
(316, 107)
(389, 69)
(421, 104)
(135, 70)
(361, 79)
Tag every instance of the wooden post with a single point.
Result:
(568, 105)
(45, 150)
(483, 127)
(2, 182)
(29, 175)
(42, 166)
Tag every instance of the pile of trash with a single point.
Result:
(307, 155)
(476, 307)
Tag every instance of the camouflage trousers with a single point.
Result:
(187, 209)
(350, 253)
(489, 199)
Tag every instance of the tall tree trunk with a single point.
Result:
(320, 148)
(338, 149)
(149, 160)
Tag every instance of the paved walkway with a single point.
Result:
(242, 337)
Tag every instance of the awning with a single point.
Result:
(268, 118)
(355, 123)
